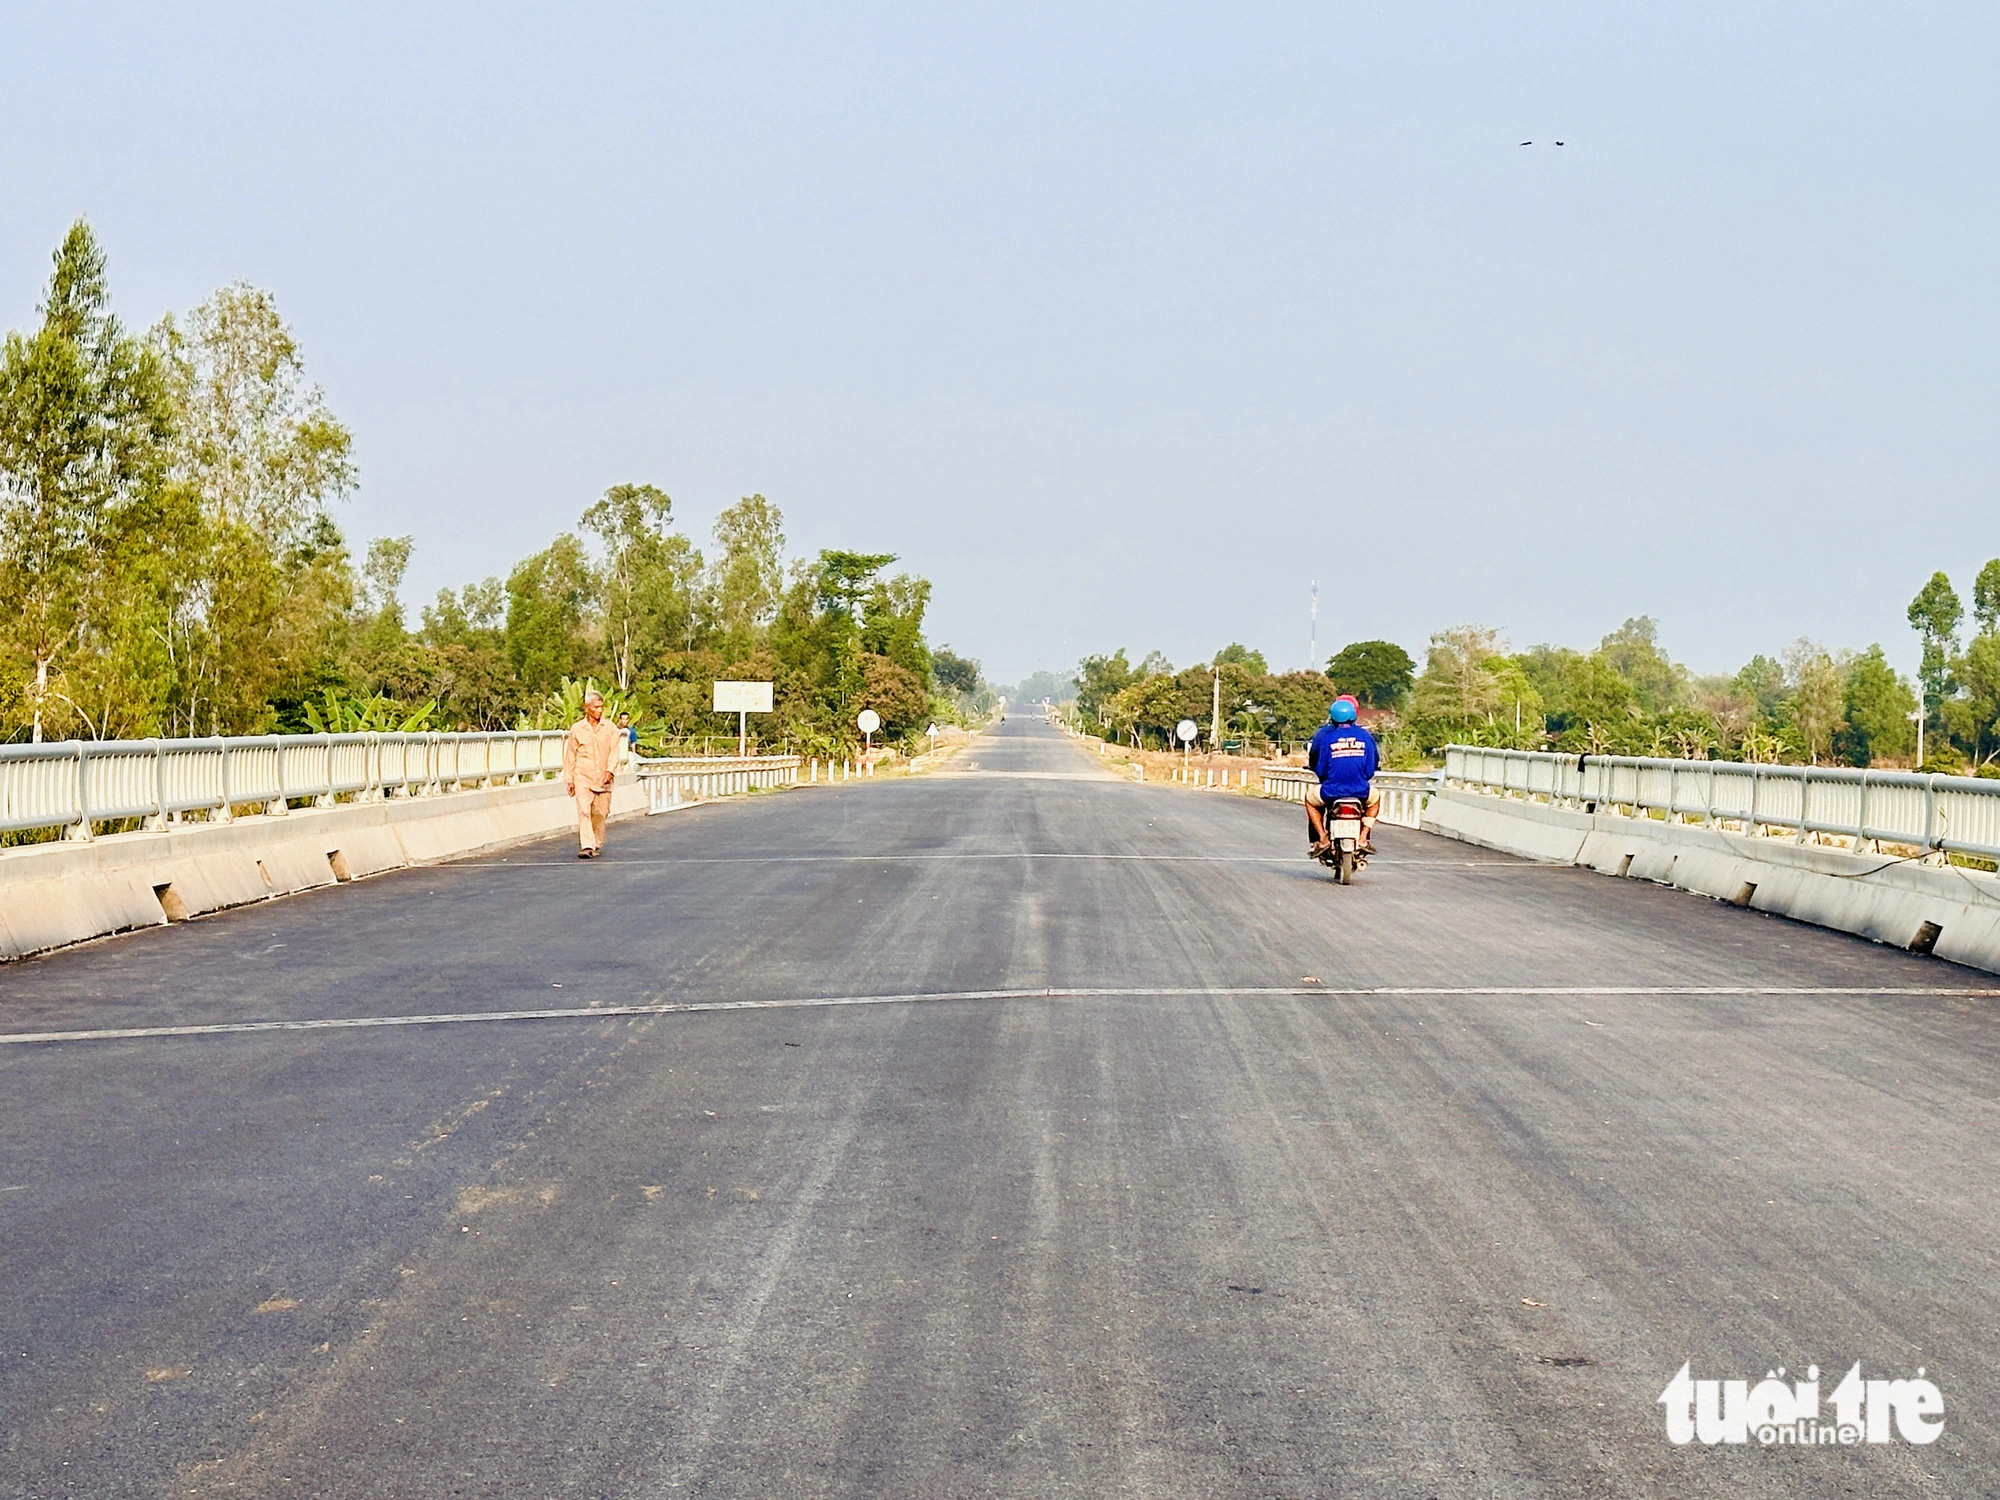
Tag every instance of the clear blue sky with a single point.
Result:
(1112, 320)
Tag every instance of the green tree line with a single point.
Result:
(1808, 704)
(170, 565)
(1627, 697)
(1140, 705)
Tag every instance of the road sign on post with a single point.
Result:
(1187, 729)
(868, 721)
(742, 699)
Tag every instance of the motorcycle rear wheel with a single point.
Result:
(1343, 866)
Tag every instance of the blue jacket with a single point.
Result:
(1344, 758)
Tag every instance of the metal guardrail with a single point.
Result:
(1959, 814)
(1404, 793)
(673, 780)
(75, 783)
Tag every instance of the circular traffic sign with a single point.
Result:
(868, 721)
(1187, 729)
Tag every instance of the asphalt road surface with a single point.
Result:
(1188, 1174)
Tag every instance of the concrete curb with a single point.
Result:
(52, 895)
(1950, 912)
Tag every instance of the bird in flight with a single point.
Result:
(1558, 143)
(1527, 143)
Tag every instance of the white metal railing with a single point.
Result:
(76, 783)
(1404, 793)
(1960, 814)
(671, 781)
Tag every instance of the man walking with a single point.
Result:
(591, 754)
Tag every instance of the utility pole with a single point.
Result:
(1215, 713)
(1312, 652)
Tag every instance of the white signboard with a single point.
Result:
(743, 697)
(1187, 729)
(868, 721)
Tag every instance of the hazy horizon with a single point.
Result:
(1112, 323)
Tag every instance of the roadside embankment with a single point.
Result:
(1907, 902)
(1242, 774)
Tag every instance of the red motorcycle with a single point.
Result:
(1341, 851)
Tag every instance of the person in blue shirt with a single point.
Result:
(1343, 756)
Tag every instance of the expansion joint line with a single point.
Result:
(833, 1002)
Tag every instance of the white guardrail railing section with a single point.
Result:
(74, 784)
(1404, 793)
(672, 781)
(1958, 814)
(79, 782)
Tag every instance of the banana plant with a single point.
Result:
(336, 713)
(564, 706)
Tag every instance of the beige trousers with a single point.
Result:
(592, 808)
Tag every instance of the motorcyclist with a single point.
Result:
(1343, 756)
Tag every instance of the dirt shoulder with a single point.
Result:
(1241, 774)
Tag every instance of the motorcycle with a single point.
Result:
(1341, 850)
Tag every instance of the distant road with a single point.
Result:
(1425, 1187)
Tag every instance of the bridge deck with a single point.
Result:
(1186, 1226)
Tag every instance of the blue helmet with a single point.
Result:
(1342, 711)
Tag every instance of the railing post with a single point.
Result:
(1861, 817)
(79, 831)
(277, 807)
(159, 786)
(1750, 817)
(223, 813)
(1930, 813)
(1805, 802)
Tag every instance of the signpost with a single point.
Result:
(1187, 729)
(867, 721)
(742, 699)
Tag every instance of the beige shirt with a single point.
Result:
(591, 754)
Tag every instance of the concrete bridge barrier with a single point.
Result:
(59, 893)
(1405, 794)
(1889, 881)
(417, 801)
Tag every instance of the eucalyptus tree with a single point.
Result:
(1458, 682)
(1935, 615)
(253, 437)
(550, 597)
(264, 457)
(1818, 695)
(1986, 597)
(748, 578)
(85, 420)
(649, 578)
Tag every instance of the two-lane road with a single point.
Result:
(1423, 1187)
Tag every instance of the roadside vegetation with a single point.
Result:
(170, 565)
(1807, 705)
